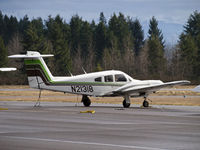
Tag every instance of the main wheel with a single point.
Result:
(86, 101)
(125, 104)
(145, 103)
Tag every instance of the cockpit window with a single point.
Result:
(108, 78)
(97, 79)
(120, 78)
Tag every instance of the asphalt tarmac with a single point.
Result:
(61, 126)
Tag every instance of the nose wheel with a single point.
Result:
(86, 101)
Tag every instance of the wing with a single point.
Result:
(145, 88)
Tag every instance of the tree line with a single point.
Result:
(117, 43)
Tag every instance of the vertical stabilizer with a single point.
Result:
(37, 71)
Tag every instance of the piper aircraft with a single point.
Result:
(98, 84)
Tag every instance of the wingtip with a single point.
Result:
(184, 82)
(187, 82)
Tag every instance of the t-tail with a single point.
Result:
(37, 70)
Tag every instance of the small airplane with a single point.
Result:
(8, 69)
(98, 84)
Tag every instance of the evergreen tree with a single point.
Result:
(154, 31)
(3, 53)
(1, 24)
(75, 28)
(137, 34)
(188, 51)
(119, 27)
(93, 28)
(56, 30)
(156, 58)
(189, 45)
(193, 25)
(85, 38)
(113, 24)
(23, 24)
(112, 41)
(12, 28)
(32, 41)
(124, 33)
(100, 37)
(6, 32)
(39, 26)
(102, 18)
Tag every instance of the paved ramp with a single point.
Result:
(62, 126)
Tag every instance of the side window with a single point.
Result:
(108, 78)
(120, 78)
(97, 79)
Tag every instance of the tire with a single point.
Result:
(86, 102)
(125, 104)
(145, 103)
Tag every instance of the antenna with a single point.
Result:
(69, 72)
(84, 70)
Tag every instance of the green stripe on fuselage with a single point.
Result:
(38, 62)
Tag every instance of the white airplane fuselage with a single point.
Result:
(85, 84)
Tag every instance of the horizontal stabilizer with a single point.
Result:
(30, 54)
(8, 69)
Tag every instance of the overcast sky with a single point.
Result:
(171, 14)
